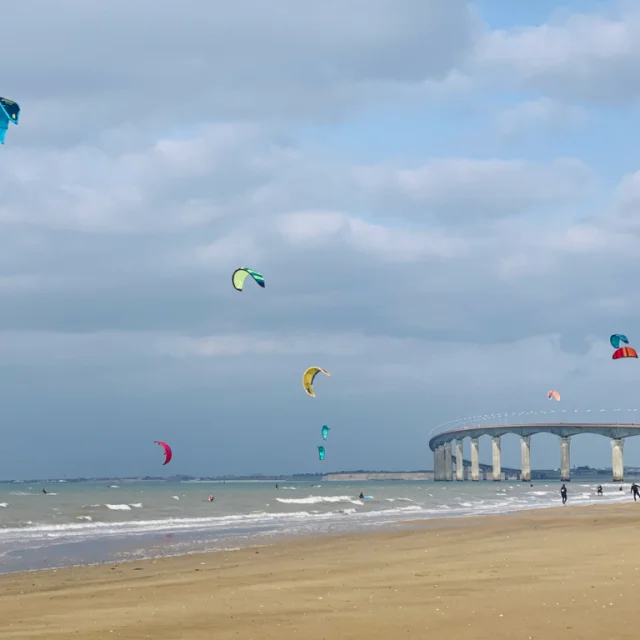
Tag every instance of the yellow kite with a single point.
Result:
(309, 376)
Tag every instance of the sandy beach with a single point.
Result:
(546, 574)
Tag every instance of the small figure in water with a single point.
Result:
(599, 489)
(44, 491)
(210, 498)
(277, 487)
(361, 496)
(635, 491)
(563, 493)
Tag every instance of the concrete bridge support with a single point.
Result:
(525, 449)
(448, 462)
(438, 463)
(497, 470)
(617, 460)
(475, 460)
(565, 459)
(459, 461)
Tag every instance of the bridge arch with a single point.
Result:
(447, 447)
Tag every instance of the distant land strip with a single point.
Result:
(336, 476)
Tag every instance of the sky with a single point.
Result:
(443, 198)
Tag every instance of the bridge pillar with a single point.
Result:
(525, 449)
(459, 461)
(497, 470)
(617, 460)
(448, 462)
(565, 459)
(475, 460)
(438, 463)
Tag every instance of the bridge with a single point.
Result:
(443, 456)
(484, 467)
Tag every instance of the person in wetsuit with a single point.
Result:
(635, 491)
(563, 493)
(44, 491)
(361, 496)
(599, 490)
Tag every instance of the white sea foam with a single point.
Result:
(319, 499)
(121, 507)
(130, 527)
(250, 515)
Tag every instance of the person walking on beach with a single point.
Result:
(563, 493)
(635, 491)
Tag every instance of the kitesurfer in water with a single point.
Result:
(563, 493)
(361, 496)
(44, 491)
(599, 489)
(635, 491)
(277, 487)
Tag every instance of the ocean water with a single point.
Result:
(91, 523)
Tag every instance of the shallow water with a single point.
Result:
(94, 522)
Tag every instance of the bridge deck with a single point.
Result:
(562, 429)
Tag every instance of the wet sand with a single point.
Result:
(567, 573)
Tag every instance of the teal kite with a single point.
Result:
(617, 338)
(240, 275)
(325, 431)
(9, 112)
(321, 453)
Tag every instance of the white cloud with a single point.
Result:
(531, 116)
(19, 282)
(352, 358)
(319, 229)
(579, 56)
(465, 190)
(286, 62)
(164, 185)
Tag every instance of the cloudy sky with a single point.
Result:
(443, 198)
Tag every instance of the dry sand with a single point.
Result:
(562, 573)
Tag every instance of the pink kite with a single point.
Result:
(167, 451)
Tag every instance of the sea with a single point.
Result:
(94, 523)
